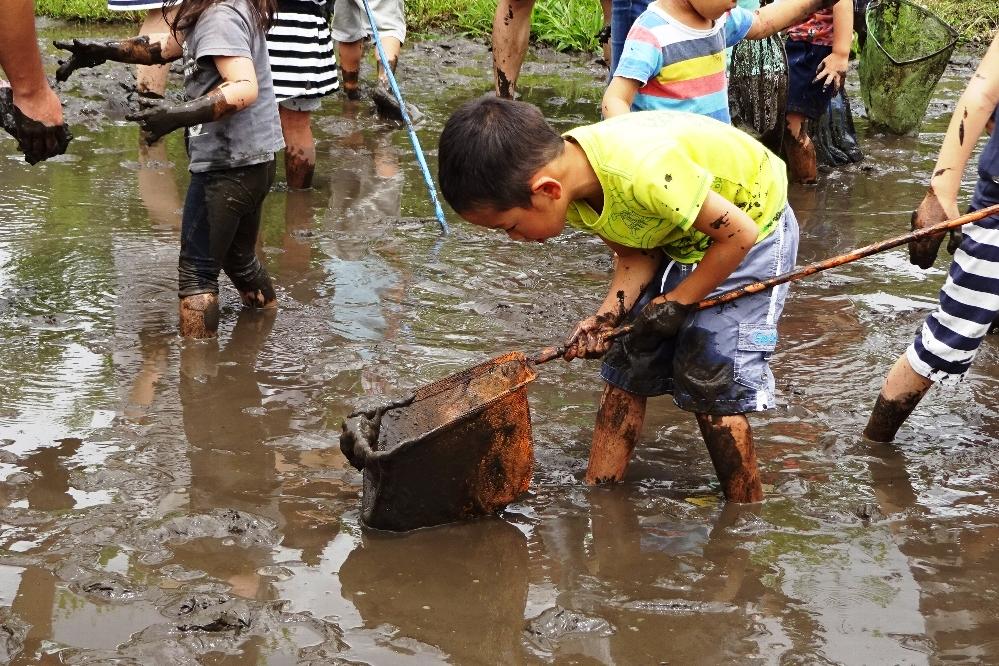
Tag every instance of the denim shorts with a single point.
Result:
(803, 62)
(727, 347)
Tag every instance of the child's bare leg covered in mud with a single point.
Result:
(300, 144)
(351, 32)
(730, 444)
(619, 424)
(511, 33)
(729, 440)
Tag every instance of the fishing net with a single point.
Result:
(906, 51)
(757, 88)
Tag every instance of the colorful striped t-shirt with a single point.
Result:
(681, 68)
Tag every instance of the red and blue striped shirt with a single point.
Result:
(681, 68)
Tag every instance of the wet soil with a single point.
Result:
(182, 502)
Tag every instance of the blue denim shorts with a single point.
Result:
(803, 62)
(728, 345)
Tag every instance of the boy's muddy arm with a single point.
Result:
(238, 91)
(732, 233)
(777, 16)
(633, 269)
(158, 49)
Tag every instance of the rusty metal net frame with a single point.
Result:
(454, 398)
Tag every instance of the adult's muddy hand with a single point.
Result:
(923, 252)
(35, 139)
(83, 53)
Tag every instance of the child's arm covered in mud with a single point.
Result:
(237, 91)
(633, 269)
(157, 49)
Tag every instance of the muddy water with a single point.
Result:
(177, 503)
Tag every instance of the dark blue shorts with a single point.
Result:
(731, 342)
(803, 63)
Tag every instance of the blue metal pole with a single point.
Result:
(405, 118)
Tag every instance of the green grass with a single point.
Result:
(567, 25)
(976, 20)
(84, 10)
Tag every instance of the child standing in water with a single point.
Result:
(947, 343)
(818, 53)
(691, 207)
(232, 131)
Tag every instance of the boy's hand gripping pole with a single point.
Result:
(551, 353)
(405, 118)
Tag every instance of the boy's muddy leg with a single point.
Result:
(349, 58)
(901, 392)
(619, 423)
(800, 151)
(300, 148)
(511, 32)
(730, 444)
(199, 315)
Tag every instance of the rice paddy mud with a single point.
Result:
(170, 502)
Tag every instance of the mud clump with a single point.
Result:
(109, 588)
(552, 625)
(246, 528)
(13, 631)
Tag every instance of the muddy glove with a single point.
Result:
(923, 252)
(35, 139)
(657, 321)
(157, 118)
(956, 236)
(93, 52)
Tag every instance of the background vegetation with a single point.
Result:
(562, 24)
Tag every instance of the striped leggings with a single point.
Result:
(969, 302)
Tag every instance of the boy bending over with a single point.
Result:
(691, 207)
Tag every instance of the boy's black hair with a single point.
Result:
(488, 151)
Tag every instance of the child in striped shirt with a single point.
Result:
(674, 57)
(948, 340)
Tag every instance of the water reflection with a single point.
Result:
(459, 588)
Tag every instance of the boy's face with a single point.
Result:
(712, 9)
(543, 220)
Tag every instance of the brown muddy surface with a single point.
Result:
(167, 502)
